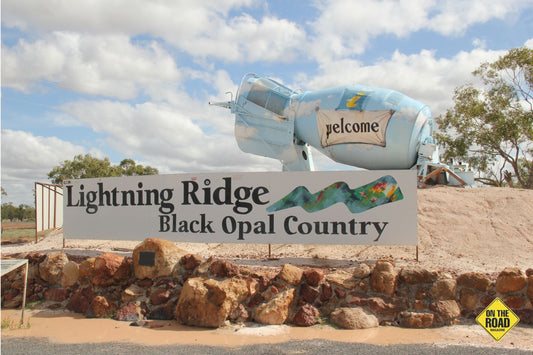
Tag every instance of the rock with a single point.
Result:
(15, 302)
(70, 274)
(530, 287)
(239, 314)
(159, 296)
(306, 316)
(291, 274)
(313, 276)
(190, 261)
(388, 306)
(444, 290)
(100, 308)
(51, 268)
(56, 294)
(223, 269)
(446, 311)
(354, 318)
(415, 320)
(167, 255)
(383, 278)
(308, 293)
(474, 280)
(417, 275)
(511, 279)
(525, 315)
(468, 299)
(86, 268)
(111, 269)
(513, 302)
(131, 312)
(361, 271)
(208, 303)
(343, 279)
(326, 292)
(132, 292)
(164, 312)
(275, 310)
(81, 300)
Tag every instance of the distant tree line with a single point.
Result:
(87, 166)
(21, 213)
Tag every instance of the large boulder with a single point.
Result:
(208, 302)
(354, 318)
(51, 268)
(159, 257)
(474, 280)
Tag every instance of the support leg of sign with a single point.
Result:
(24, 293)
(63, 242)
(270, 251)
(417, 253)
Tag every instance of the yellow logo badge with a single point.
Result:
(497, 319)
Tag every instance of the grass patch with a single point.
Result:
(9, 323)
(21, 235)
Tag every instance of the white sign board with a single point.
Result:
(336, 207)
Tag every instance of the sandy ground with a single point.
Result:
(459, 230)
(65, 327)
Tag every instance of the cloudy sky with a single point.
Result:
(133, 78)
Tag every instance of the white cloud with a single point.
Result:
(422, 76)
(27, 158)
(166, 137)
(200, 28)
(347, 27)
(96, 65)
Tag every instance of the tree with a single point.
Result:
(87, 166)
(491, 127)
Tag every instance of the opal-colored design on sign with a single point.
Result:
(382, 191)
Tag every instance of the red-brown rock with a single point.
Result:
(56, 294)
(415, 320)
(81, 300)
(314, 276)
(100, 308)
(191, 261)
(475, 281)
(131, 312)
(159, 296)
(446, 311)
(308, 293)
(326, 293)
(388, 306)
(223, 269)
(306, 316)
(417, 275)
(111, 269)
(511, 279)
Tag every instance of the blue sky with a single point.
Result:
(133, 78)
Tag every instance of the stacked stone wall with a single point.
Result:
(211, 293)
